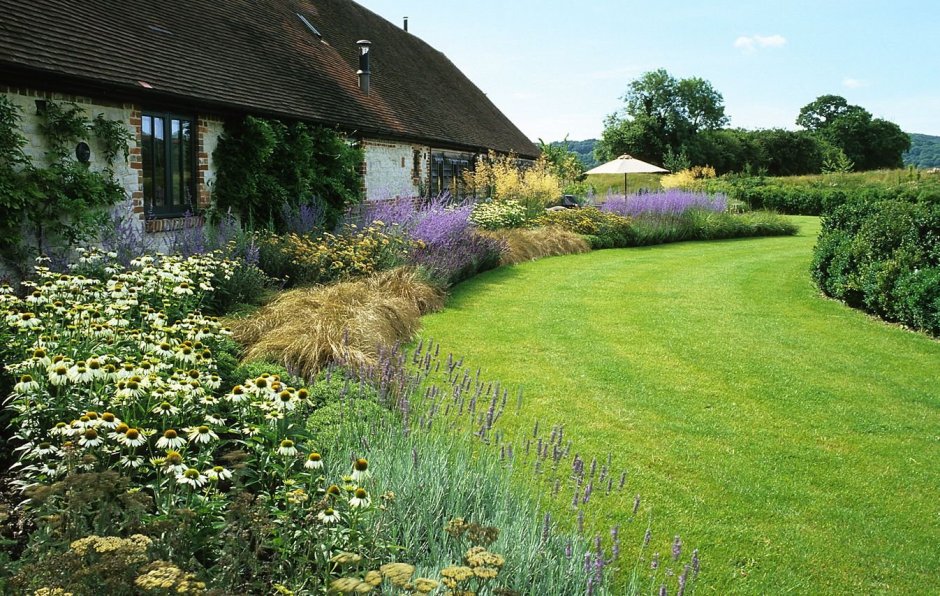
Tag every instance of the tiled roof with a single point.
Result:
(256, 56)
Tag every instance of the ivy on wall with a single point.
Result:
(265, 165)
(51, 208)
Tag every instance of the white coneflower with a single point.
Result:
(285, 401)
(44, 449)
(50, 469)
(183, 289)
(132, 438)
(185, 354)
(328, 516)
(60, 429)
(192, 477)
(90, 438)
(165, 409)
(59, 375)
(173, 462)
(215, 420)
(217, 473)
(287, 448)
(163, 350)
(201, 434)
(41, 357)
(109, 420)
(118, 431)
(213, 382)
(314, 462)
(360, 470)
(237, 394)
(170, 440)
(26, 385)
(360, 498)
(132, 461)
(95, 368)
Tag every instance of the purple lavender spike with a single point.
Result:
(695, 564)
(636, 504)
(546, 528)
(647, 537)
(683, 577)
(623, 480)
(676, 549)
(654, 563)
(580, 522)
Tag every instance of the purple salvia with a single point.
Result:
(676, 549)
(587, 492)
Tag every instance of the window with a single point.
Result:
(168, 152)
(447, 172)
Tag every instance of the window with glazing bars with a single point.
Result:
(168, 152)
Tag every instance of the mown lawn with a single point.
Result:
(794, 441)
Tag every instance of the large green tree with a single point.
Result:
(870, 143)
(661, 113)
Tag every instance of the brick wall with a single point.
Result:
(130, 174)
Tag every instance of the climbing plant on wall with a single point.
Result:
(265, 165)
(49, 208)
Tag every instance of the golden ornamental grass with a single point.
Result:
(347, 322)
(536, 243)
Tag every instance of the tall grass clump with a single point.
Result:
(350, 322)
(535, 243)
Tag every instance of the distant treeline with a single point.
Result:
(924, 153)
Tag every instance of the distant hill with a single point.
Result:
(924, 153)
(584, 149)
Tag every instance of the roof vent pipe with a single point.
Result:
(406, 24)
(364, 71)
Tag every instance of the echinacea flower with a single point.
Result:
(59, 375)
(360, 470)
(314, 462)
(237, 394)
(133, 438)
(192, 477)
(90, 438)
(170, 440)
(287, 448)
(174, 462)
(165, 409)
(217, 473)
(360, 498)
(201, 434)
(132, 461)
(26, 385)
(328, 516)
(109, 420)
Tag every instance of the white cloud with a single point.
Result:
(751, 43)
(851, 83)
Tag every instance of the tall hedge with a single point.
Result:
(883, 255)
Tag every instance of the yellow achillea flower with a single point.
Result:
(397, 573)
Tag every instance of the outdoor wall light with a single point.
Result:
(83, 152)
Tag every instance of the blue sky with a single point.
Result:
(557, 68)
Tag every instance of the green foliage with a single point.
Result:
(114, 137)
(51, 208)
(563, 162)
(584, 150)
(869, 143)
(882, 254)
(341, 415)
(924, 151)
(264, 165)
(602, 229)
(661, 113)
(496, 215)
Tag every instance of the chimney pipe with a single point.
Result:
(364, 72)
(406, 24)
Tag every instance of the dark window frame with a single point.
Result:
(175, 201)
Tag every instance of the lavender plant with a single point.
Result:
(669, 202)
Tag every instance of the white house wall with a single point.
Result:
(391, 169)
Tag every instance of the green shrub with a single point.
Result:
(333, 424)
(880, 255)
(496, 215)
